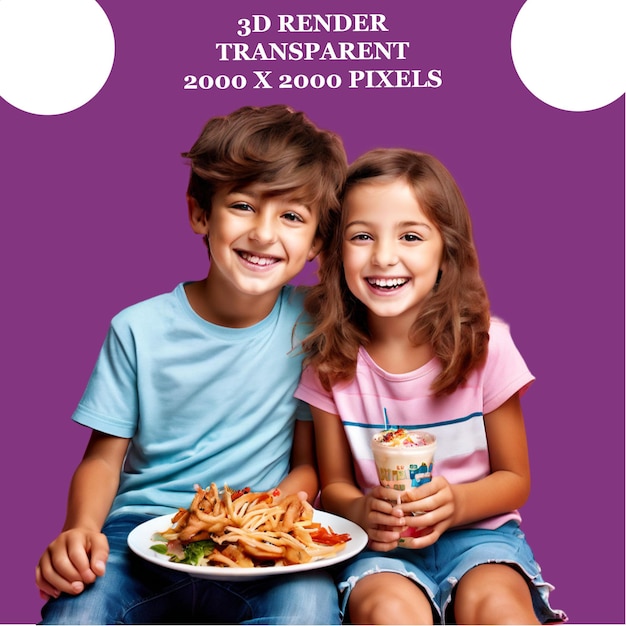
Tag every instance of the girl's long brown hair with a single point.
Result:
(454, 318)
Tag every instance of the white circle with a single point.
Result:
(571, 54)
(55, 55)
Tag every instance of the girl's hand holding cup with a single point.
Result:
(383, 518)
(429, 511)
(404, 462)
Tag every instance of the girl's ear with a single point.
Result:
(443, 266)
(315, 249)
(440, 272)
(197, 217)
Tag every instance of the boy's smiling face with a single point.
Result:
(258, 242)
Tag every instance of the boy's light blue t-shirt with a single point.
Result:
(201, 403)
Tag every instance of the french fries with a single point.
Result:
(250, 529)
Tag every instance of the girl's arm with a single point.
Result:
(80, 551)
(382, 519)
(505, 489)
(508, 486)
(303, 474)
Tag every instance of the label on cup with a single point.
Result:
(403, 477)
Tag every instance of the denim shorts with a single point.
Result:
(439, 567)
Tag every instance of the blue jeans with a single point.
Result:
(133, 591)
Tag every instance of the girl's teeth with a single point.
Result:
(388, 283)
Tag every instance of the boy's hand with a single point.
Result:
(383, 518)
(429, 509)
(74, 559)
(279, 496)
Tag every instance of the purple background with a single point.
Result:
(94, 219)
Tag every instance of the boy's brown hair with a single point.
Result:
(273, 146)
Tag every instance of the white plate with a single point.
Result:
(140, 540)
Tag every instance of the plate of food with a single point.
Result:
(244, 535)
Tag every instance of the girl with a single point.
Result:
(403, 326)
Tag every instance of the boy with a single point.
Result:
(196, 386)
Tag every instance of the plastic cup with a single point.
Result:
(404, 459)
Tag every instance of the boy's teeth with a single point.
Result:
(258, 260)
(387, 282)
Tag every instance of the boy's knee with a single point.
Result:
(75, 610)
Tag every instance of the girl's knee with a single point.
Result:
(494, 594)
(388, 598)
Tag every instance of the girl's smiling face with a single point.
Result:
(392, 252)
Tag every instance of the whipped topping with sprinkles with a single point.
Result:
(397, 437)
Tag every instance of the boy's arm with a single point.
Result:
(95, 482)
(303, 474)
(80, 551)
